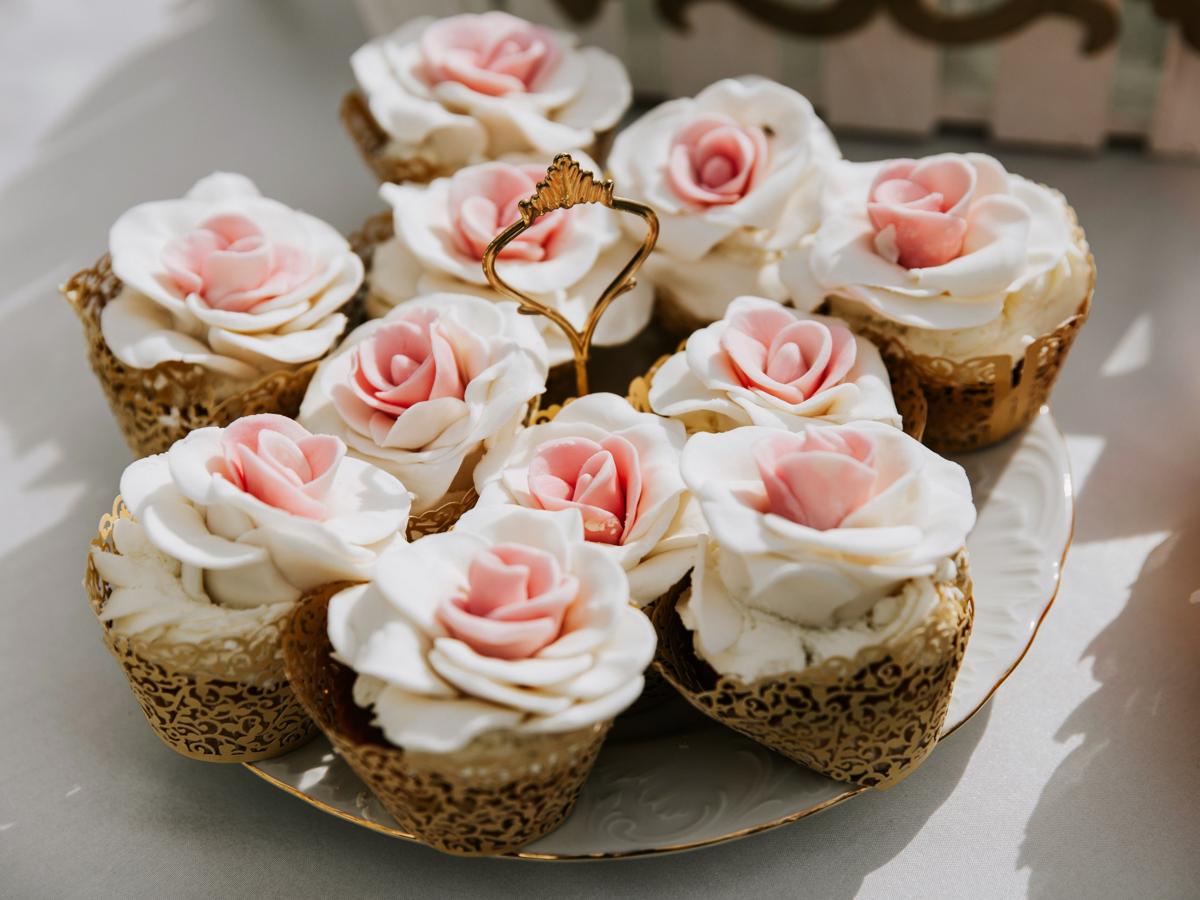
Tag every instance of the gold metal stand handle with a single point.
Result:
(564, 186)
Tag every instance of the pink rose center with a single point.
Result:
(818, 477)
(493, 53)
(405, 362)
(714, 161)
(515, 602)
(231, 265)
(919, 210)
(483, 202)
(603, 480)
(791, 359)
(281, 463)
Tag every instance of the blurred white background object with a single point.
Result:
(1058, 75)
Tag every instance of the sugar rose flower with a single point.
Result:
(764, 364)
(564, 260)
(510, 622)
(620, 469)
(938, 243)
(245, 518)
(421, 392)
(818, 525)
(227, 279)
(734, 174)
(472, 87)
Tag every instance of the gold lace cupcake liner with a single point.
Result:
(981, 401)
(906, 391)
(372, 143)
(156, 407)
(870, 720)
(443, 516)
(502, 791)
(221, 700)
(977, 402)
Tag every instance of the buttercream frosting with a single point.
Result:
(245, 518)
(424, 390)
(471, 87)
(734, 175)
(809, 533)
(511, 622)
(227, 279)
(565, 260)
(765, 364)
(620, 469)
(952, 244)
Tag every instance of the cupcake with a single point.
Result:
(195, 579)
(976, 279)
(830, 604)
(471, 683)
(422, 392)
(211, 307)
(564, 260)
(441, 94)
(620, 469)
(734, 174)
(765, 364)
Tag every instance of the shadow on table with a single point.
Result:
(178, 113)
(1137, 731)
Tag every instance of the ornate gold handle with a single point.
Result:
(564, 186)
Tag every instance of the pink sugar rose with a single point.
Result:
(772, 351)
(603, 480)
(230, 264)
(919, 209)
(281, 463)
(516, 599)
(483, 202)
(404, 363)
(490, 54)
(818, 477)
(715, 161)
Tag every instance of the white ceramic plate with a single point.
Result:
(676, 780)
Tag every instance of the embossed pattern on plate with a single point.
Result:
(673, 780)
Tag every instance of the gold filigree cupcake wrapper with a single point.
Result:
(502, 791)
(156, 407)
(906, 391)
(221, 700)
(443, 516)
(977, 402)
(372, 144)
(981, 401)
(870, 720)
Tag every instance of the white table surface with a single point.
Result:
(1082, 779)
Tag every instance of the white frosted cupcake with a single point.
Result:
(422, 392)
(480, 670)
(734, 175)
(225, 532)
(218, 303)
(765, 364)
(565, 260)
(620, 469)
(441, 94)
(961, 267)
(830, 604)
